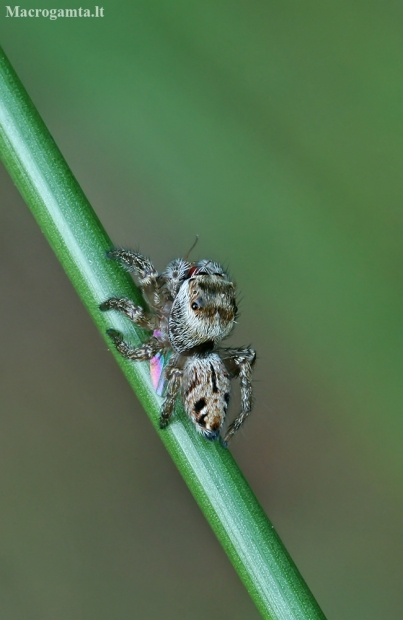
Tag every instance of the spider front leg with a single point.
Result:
(137, 354)
(239, 363)
(174, 380)
(137, 314)
(145, 271)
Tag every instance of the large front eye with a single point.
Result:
(195, 305)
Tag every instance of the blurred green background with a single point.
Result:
(274, 132)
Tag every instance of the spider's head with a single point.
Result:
(204, 309)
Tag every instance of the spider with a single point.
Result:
(192, 308)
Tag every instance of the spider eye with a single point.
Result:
(195, 305)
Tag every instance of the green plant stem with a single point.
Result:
(79, 241)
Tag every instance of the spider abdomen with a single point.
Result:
(206, 392)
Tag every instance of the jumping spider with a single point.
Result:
(192, 308)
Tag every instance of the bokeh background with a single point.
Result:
(273, 131)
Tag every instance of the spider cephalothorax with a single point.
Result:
(203, 311)
(192, 308)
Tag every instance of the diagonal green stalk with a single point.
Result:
(79, 241)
